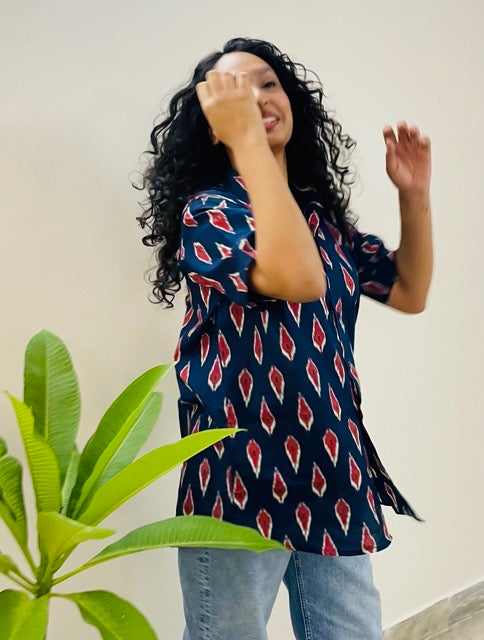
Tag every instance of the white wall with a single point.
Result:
(81, 85)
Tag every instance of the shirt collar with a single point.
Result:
(236, 184)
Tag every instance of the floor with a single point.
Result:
(471, 628)
(459, 617)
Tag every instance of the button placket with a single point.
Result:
(354, 383)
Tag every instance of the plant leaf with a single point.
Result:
(7, 565)
(116, 619)
(22, 618)
(11, 496)
(59, 535)
(186, 531)
(42, 461)
(52, 391)
(145, 470)
(135, 439)
(70, 478)
(110, 434)
(15, 530)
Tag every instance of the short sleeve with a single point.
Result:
(377, 270)
(217, 247)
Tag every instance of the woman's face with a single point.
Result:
(268, 92)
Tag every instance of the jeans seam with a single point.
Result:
(300, 584)
(204, 585)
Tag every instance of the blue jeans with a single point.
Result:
(228, 594)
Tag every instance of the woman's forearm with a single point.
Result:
(414, 257)
(287, 255)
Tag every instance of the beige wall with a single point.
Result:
(81, 85)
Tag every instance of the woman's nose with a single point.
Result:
(259, 97)
(256, 91)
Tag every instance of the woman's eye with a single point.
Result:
(269, 83)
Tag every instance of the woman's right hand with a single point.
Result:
(230, 108)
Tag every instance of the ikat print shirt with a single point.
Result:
(305, 472)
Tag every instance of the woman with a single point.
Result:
(249, 202)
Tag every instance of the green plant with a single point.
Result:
(75, 491)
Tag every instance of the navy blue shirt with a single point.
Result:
(305, 472)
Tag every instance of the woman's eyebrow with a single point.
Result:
(260, 70)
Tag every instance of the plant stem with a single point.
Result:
(30, 561)
(67, 575)
(21, 575)
(44, 585)
(28, 587)
(24, 549)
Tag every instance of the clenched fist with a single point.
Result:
(230, 107)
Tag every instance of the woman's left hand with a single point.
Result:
(408, 159)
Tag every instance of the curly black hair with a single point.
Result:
(185, 160)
